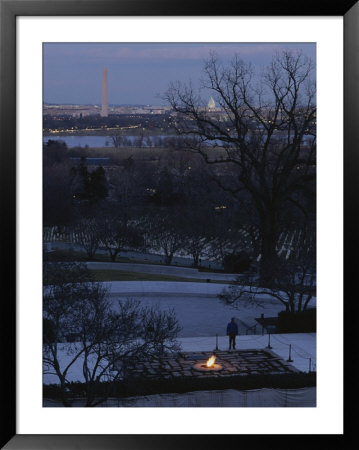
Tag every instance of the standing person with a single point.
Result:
(232, 332)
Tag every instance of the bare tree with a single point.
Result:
(148, 142)
(293, 281)
(89, 234)
(196, 224)
(228, 240)
(265, 131)
(196, 245)
(140, 138)
(104, 340)
(119, 233)
(165, 233)
(117, 140)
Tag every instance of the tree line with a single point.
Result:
(252, 167)
(83, 327)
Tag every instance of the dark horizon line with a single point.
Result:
(99, 104)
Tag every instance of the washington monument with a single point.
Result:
(104, 110)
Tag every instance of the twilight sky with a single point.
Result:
(137, 73)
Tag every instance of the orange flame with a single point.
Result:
(211, 361)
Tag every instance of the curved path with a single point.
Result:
(164, 288)
(183, 272)
(197, 308)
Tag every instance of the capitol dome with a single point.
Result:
(211, 103)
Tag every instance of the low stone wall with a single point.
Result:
(266, 397)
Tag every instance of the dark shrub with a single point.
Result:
(144, 386)
(298, 322)
(237, 263)
(48, 333)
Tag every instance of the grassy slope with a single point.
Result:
(122, 275)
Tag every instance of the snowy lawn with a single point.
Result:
(198, 310)
(303, 347)
(202, 315)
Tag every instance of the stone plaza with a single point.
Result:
(237, 362)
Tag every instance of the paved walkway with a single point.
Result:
(163, 288)
(228, 363)
(301, 347)
(303, 351)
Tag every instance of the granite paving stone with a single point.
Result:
(241, 362)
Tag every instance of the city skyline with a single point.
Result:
(139, 73)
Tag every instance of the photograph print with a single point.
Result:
(179, 225)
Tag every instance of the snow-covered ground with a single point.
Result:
(203, 316)
(303, 346)
(303, 350)
(206, 316)
(198, 310)
(164, 288)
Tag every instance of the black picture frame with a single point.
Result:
(9, 10)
